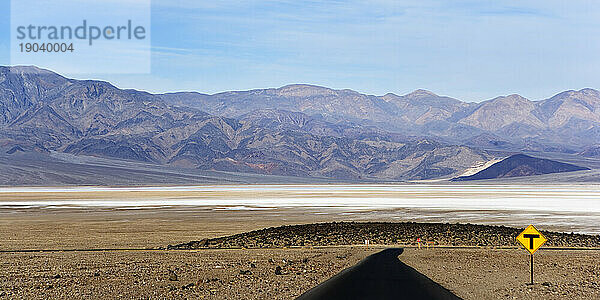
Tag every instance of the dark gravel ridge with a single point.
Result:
(406, 233)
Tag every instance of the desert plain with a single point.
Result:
(53, 247)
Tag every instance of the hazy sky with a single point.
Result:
(470, 50)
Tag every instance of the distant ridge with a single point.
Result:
(298, 130)
(521, 165)
(567, 122)
(264, 132)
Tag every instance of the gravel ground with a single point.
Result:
(381, 233)
(286, 273)
(481, 273)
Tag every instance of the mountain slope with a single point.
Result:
(521, 165)
(569, 120)
(94, 118)
(592, 151)
(495, 114)
(296, 130)
(582, 105)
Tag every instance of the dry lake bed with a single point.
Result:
(66, 218)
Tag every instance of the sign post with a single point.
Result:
(532, 240)
(531, 268)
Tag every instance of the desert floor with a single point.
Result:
(250, 273)
(142, 271)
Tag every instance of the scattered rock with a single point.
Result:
(546, 283)
(209, 280)
(187, 286)
(173, 276)
(354, 233)
(252, 265)
(245, 272)
(57, 276)
(278, 270)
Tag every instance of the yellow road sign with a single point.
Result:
(531, 239)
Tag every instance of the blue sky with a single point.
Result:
(470, 50)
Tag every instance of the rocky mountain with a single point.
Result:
(501, 113)
(592, 151)
(331, 105)
(47, 113)
(563, 108)
(521, 165)
(296, 130)
(567, 122)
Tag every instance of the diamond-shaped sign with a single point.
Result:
(531, 239)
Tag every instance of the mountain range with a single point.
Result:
(566, 122)
(296, 130)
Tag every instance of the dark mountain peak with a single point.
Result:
(521, 157)
(521, 165)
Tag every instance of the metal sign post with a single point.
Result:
(531, 268)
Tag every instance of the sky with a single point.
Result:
(469, 50)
